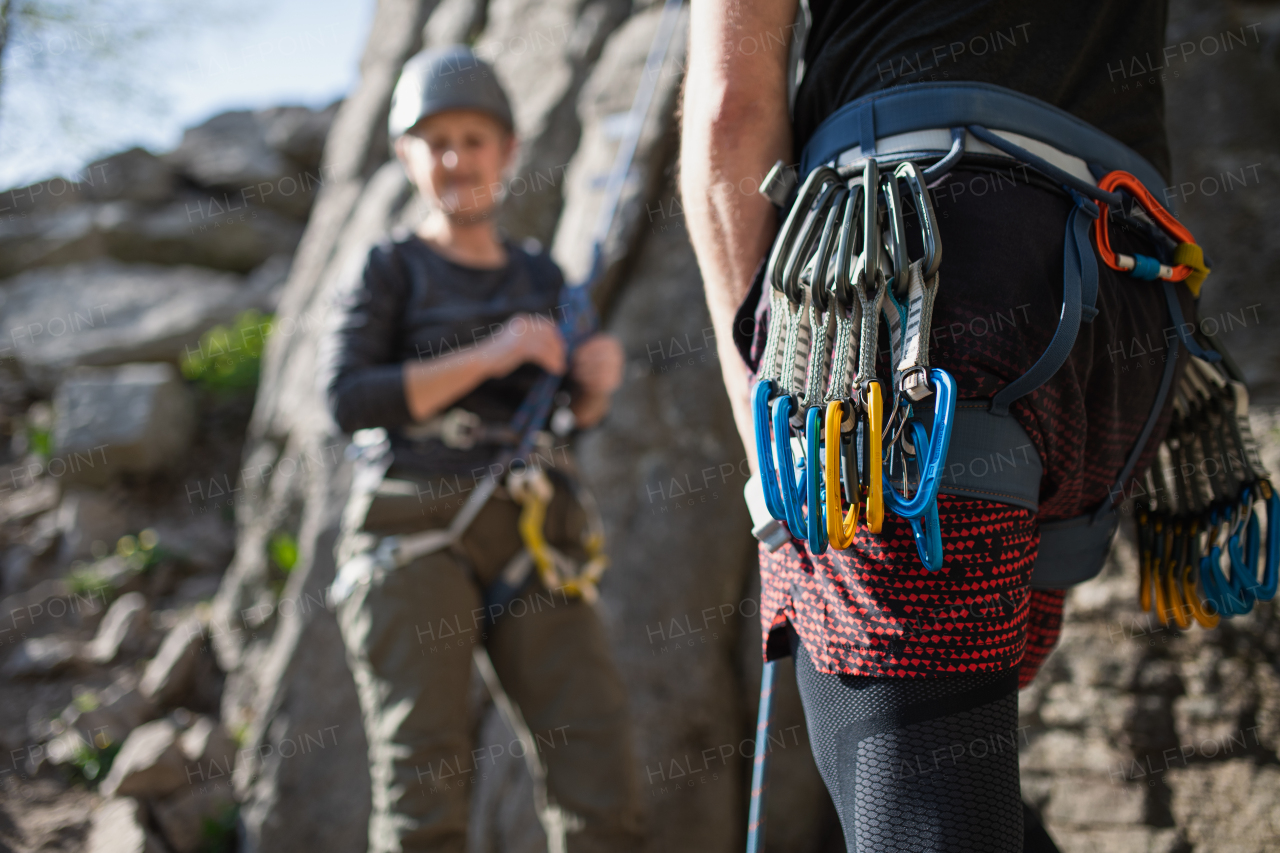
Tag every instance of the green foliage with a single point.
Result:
(218, 835)
(40, 441)
(140, 553)
(91, 764)
(229, 358)
(283, 550)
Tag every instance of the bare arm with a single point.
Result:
(735, 127)
(433, 385)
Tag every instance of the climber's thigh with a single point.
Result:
(409, 634)
(553, 658)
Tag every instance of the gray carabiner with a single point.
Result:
(819, 286)
(868, 272)
(929, 236)
(895, 235)
(781, 251)
(803, 249)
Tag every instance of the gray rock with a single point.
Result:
(170, 673)
(298, 132)
(120, 709)
(63, 235)
(221, 229)
(40, 496)
(41, 657)
(109, 313)
(1095, 800)
(605, 100)
(228, 150)
(120, 826)
(89, 516)
(205, 741)
(138, 418)
(181, 816)
(1230, 805)
(150, 763)
(133, 175)
(123, 628)
(542, 52)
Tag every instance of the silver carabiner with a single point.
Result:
(782, 246)
(929, 236)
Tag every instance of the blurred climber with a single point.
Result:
(446, 550)
(1011, 114)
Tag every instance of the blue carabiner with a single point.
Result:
(1271, 574)
(760, 396)
(1216, 586)
(944, 414)
(1244, 572)
(813, 474)
(792, 501)
(927, 531)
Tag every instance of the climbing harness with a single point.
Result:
(1201, 544)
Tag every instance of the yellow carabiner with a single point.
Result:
(842, 526)
(1156, 577)
(875, 475)
(1181, 612)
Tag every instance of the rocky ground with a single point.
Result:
(136, 298)
(170, 679)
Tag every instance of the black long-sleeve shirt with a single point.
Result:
(412, 303)
(1104, 62)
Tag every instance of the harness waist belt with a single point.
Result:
(927, 106)
(938, 141)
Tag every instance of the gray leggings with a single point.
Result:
(920, 764)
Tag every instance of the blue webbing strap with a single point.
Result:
(1079, 291)
(1070, 181)
(1184, 333)
(1162, 394)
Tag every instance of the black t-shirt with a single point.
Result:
(411, 303)
(1093, 60)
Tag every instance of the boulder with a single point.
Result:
(120, 826)
(123, 628)
(270, 155)
(221, 229)
(90, 520)
(132, 175)
(41, 657)
(170, 673)
(228, 150)
(298, 133)
(108, 313)
(150, 763)
(133, 419)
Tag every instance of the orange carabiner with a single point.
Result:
(842, 526)
(1188, 258)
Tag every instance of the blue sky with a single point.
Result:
(63, 103)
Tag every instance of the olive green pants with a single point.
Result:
(410, 633)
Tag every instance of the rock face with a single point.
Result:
(150, 763)
(120, 826)
(134, 419)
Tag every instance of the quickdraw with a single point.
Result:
(1184, 258)
(822, 436)
(1200, 540)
